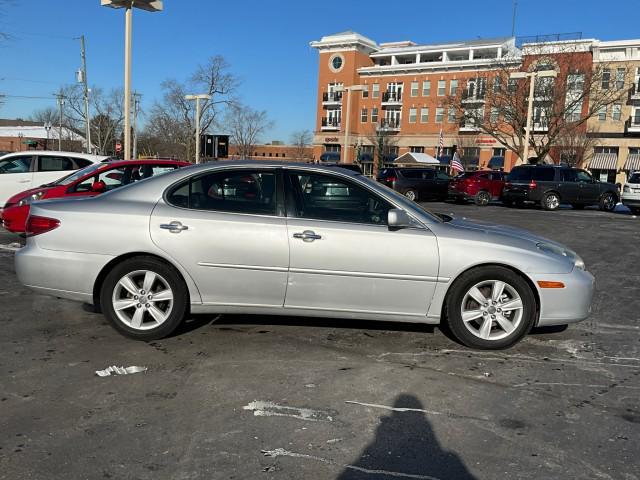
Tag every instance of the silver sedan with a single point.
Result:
(295, 239)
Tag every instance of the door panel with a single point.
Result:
(569, 188)
(15, 176)
(589, 189)
(361, 268)
(234, 258)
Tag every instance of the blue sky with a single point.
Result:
(266, 43)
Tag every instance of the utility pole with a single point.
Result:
(60, 99)
(197, 98)
(136, 110)
(513, 20)
(82, 78)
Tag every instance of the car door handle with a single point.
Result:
(174, 227)
(24, 181)
(307, 236)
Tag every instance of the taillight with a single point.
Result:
(391, 179)
(37, 225)
(532, 184)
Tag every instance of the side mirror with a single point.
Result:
(398, 219)
(98, 186)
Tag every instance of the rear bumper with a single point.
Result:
(61, 274)
(559, 306)
(14, 218)
(631, 199)
(517, 196)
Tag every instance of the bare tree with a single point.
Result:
(497, 105)
(384, 142)
(172, 119)
(245, 126)
(301, 141)
(575, 146)
(46, 115)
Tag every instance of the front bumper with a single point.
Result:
(559, 306)
(60, 274)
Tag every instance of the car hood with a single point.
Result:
(514, 232)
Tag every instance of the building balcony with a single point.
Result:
(331, 98)
(635, 91)
(392, 98)
(473, 96)
(540, 126)
(468, 125)
(632, 125)
(389, 125)
(329, 124)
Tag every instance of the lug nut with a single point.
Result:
(484, 313)
(141, 292)
(493, 317)
(499, 310)
(135, 297)
(138, 306)
(146, 305)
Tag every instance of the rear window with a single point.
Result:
(634, 178)
(520, 174)
(526, 174)
(417, 173)
(54, 164)
(386, 172)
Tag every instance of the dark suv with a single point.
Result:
(551, 185)
(416, 183)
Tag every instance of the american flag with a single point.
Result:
(456, 164)
(440, 145)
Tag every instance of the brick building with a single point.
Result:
(21, 135)
(277, 151)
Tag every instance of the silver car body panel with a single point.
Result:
(240, 263)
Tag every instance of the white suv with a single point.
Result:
(631, 193)
(21, 171)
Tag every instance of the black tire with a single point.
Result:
(166, 274)
(411, 195)
(457, 295)
(608, 202)
(550, 201)
(482, 198)
(635, 210)
(578, 206)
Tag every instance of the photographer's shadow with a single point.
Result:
(405, 445)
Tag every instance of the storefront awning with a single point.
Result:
(496, 162)
(414, 158)
(633, 162)
(604, 161)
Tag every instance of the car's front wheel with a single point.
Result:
(551, 201)
(144, 298)
(482, 198)
(411, 195)
(608, 202)
(490, 308)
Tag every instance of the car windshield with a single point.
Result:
(408, 204)
(78, 174)
(634, 178)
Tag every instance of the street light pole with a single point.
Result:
(345, 153)
(532, 81)
(60, 97)
(136, 109)
(197, 98)
(83, 79)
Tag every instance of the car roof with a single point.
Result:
(86, 156)
(270, 164)
(124, 163)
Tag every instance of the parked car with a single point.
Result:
(306, 235)
(481, 186)
(416, 183)
(631, 193)
(551, 185)
(88, 182)
(23, 170)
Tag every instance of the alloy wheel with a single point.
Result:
(608, 202)
(411, 195)
(552, 201)
(483, 198)
(142, 300)
(492, 310)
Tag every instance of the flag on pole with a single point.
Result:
(456, 164)
(440, 145)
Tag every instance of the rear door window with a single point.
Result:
(544, 174)
(520, 175)
(409, 173)
(16, 165)
(568, 175)
(54, 164)
(82, 162)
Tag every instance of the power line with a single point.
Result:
(26, 96)
(28, 80)
(31, 34)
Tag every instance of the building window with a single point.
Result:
(439, 114)
(375, 92)
(499, 152)
(426, 88)
(497, 84)
(453, 87)
(442, 86)
(605, 150)
(512, 85)
(451, 115)
(416, 149)
(424, 115)
(270, 154)
(573, 112)
(374, 115)
(336, 63)
(365, 91)
(602, 113)
(616, 111)
(414, 89)
(634, 150)
(413, 114)
(494, 115)
(606, 78)
(620, 78)
(575, 82)
(364, 116)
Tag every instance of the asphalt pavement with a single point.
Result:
(255, 397)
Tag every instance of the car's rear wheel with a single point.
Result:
(490, 308)
(551, 201)
(411, 195)
(482, 198)
(144, 298)
(608, 202)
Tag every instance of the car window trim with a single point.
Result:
(190, 178)
(288, 171)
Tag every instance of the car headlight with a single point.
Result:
(626, 189)
(31, 198)
(563, 252)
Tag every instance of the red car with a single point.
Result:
(87, 182)
(481, 187)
